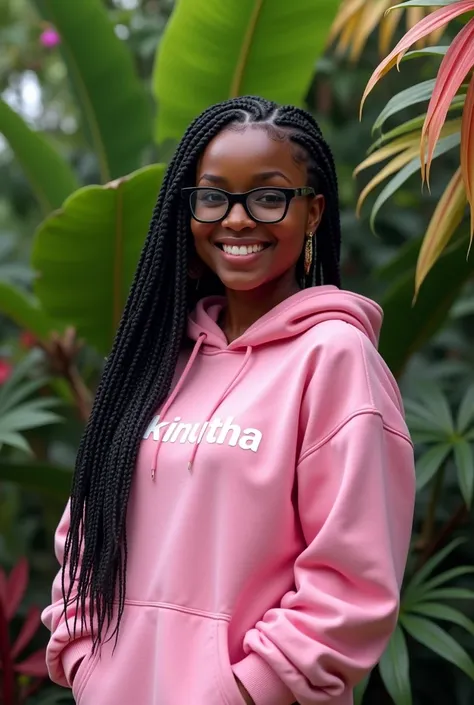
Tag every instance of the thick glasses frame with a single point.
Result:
(241, 198)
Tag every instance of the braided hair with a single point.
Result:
(139, 370)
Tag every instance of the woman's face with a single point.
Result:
(238, 161)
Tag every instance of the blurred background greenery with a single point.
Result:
(92, 103)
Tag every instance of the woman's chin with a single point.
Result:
(241, 282)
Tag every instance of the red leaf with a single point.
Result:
(16, 587)
(6, 661)
(467, 149)
(28, 630)
(3, 587)
(457, 62)
(34, 665)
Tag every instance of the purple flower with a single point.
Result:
(50, 38)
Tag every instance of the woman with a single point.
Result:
(242, 503)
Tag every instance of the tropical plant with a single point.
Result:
(356, 19)
(20, 412)
(425, 601)
(445, 439)
(417, 142)
(245, 34)
(444, 445)
(236, 48)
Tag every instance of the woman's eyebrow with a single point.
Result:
(263, 176)
(213, 179)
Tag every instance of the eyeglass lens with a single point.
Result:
(210, 205)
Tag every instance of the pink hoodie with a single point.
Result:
(271, 541)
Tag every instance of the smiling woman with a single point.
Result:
(249, 229)
(247, 444)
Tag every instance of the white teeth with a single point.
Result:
(242, 250)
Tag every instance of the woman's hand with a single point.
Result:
(244, 692)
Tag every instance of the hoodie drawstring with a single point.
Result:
(179, 386)
(226, 391)
(202, 337)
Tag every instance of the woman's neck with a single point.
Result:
(246, 307)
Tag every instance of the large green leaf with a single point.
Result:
(24, 310)
(50, 176)
(466, 411)
(407, 327)
(115, 107)
(465, 466)
(213, 50)
(395, 671)
(449, 594)
(422, 575)
(87, 252)
(430, 462)
(359, 690)
(433, 637)
(444, 613)
(38, 477)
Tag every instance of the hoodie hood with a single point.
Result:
(288, 319)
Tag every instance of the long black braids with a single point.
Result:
(139, 370)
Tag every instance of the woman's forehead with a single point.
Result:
(249, 150)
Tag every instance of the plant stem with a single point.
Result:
(430, 519)
(458, 517)
(62, 351)
(80, 392)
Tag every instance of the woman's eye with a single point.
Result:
(270, 199)
(212, 198)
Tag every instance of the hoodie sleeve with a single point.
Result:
(355, 501)
(64, 651)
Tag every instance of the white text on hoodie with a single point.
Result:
(213, 431)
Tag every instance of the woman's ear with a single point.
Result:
(315, 213)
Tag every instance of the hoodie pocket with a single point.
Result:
(165, 655)
(226, 680)
(83, 674)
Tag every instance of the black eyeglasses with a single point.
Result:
(264, 205)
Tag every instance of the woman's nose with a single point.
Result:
(238, 219)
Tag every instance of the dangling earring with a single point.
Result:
(308, 253)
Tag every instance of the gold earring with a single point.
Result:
(308, 253)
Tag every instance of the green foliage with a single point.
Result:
(409, 326)
(95, 238)
(443, 146)
(51, 178)
(395, 670)
(250, 47)
(44, 478)
(25, 310)
(432, 423)
(118, 120)
(18, 411)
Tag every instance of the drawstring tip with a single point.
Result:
(190, 466)
(153, 473)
